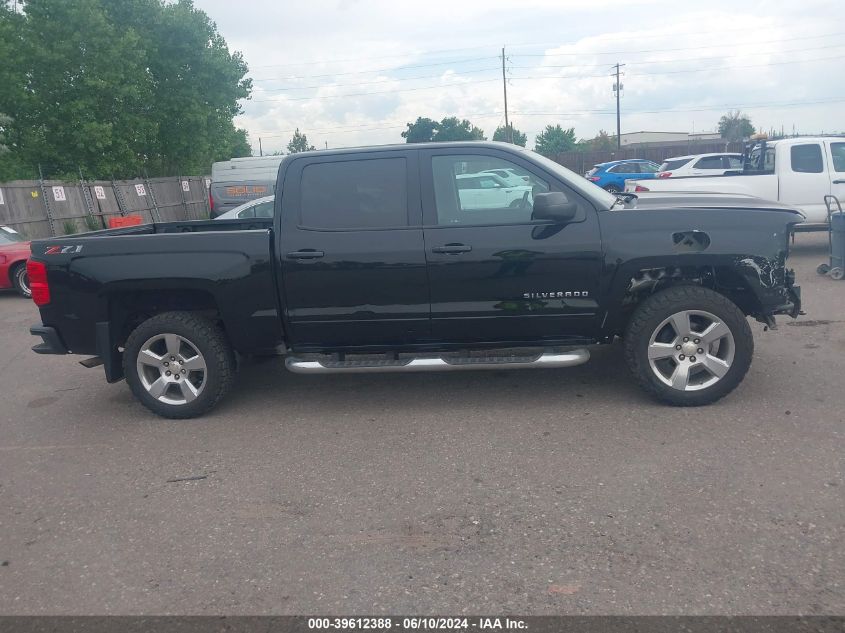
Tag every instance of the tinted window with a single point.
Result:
(355, 194)
(838, 151)
(648, 168)
(625, 168)
(465, 196)
(807, 159)
(709, 162)
(671, 165)
(262, 210)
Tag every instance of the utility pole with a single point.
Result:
(508, 129)
(260, 150)
(617, 88)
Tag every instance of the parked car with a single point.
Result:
(488, 191)
(612, 176)
(236, 181)
(373, 263)
(699, 165)
(798, 171)
(258, 208)
(14, 251)
(513, 177)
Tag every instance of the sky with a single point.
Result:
(354, 72)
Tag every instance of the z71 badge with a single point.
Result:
(63, 250)
(556, 294)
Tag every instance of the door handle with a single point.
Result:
(452, 248)
(306, 254)
(839, 181)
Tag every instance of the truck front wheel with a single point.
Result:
(178, 364)
(688, 345)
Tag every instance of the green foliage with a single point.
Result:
(509, 134)
(421, 131)
(602, 142)
(118, 88)
(735, 126)
(299, 143)
(449, 129)
(69, 227)
(92, 223)
(554, 140)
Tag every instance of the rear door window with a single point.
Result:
(837, 150)
(709, 162)
(355, 194)
(807, 159)
(671, 165)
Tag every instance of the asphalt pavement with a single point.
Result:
(561, 491)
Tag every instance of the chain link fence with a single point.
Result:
(49, 208)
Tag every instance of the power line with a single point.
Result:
(367, 83)
(683, 48)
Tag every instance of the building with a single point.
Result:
(644, 139)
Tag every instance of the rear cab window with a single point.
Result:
(837, 152)
(355, 194)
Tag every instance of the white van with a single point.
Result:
(239, 180)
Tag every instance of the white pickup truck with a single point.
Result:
(799, 172)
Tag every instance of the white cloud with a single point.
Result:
(314, 61)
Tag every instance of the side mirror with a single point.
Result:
(553, 206)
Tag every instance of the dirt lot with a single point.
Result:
(535, 492)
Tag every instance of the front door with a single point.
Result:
(495, 274)
(351, 251)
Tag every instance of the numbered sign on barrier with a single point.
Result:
(1, 197)
(99, 192)
(59, 194)
(208, 183)
(140, 190)
(186, 186)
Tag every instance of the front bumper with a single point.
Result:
(50, 343)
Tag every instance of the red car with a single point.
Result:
(14, 251)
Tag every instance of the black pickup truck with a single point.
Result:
(448, 256)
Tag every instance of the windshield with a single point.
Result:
(602, 198)
(8, 235)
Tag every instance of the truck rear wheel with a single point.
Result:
(688, 345)
(178, 364)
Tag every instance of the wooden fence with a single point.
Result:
(54, 208)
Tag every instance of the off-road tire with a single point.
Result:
(654, 310)
(20, 280)
(208, 338)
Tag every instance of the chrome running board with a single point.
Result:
(568, 358)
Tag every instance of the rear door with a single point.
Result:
(805, 180)
(496, 275)
(351, 250)
(837, 169)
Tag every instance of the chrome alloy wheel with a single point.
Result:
(171, 369)
(691, 350)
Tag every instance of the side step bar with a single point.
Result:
(548, 359)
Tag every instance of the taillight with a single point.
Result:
(211, 202)
(593, 178)
(664, 174)
(639, 188)
(37, 272)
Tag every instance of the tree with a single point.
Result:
(299, 143)
(451, 129)
(421, 131)
(510, 134)
(118, 88)
(554, 140)
(424, 130)
(735, 126)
